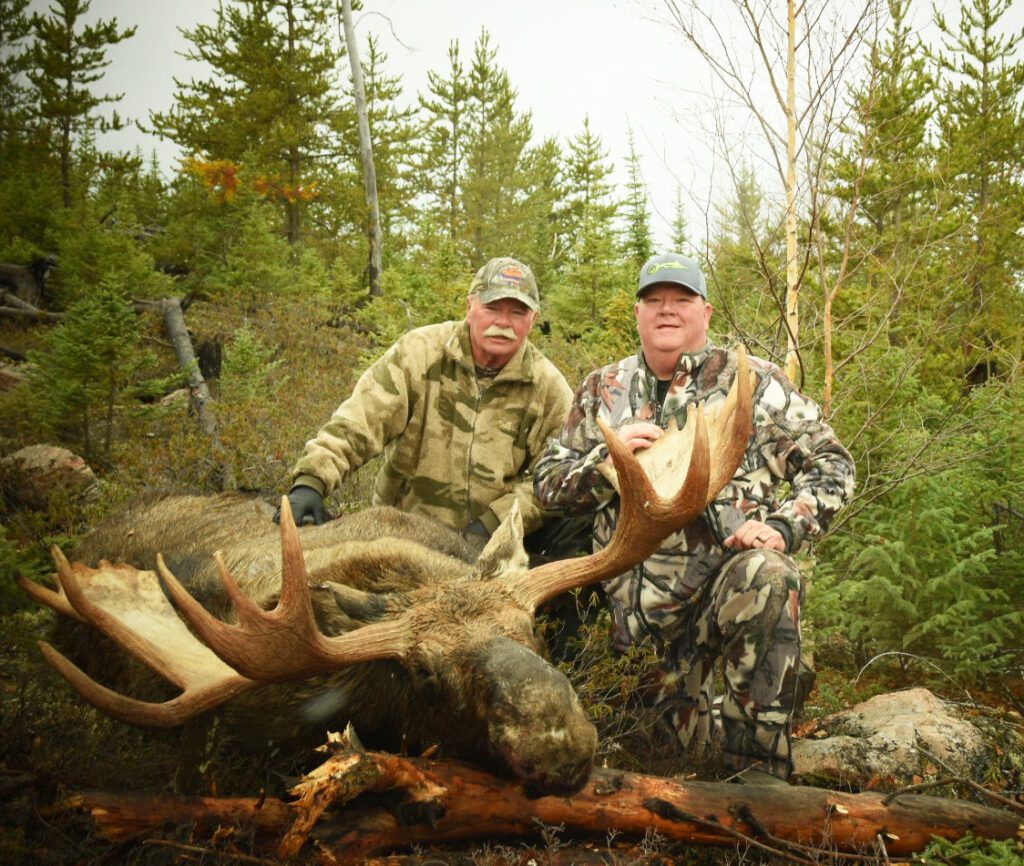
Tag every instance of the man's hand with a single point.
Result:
(639, 435)
(307, 506)
(753, 534)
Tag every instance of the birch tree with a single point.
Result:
(784, 82)
(373, 231)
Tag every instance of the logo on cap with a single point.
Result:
(665, 266)
(511, 274)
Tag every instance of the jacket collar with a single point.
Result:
(688, 362)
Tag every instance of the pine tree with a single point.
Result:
(90, 358)
(678, 238)
(66, 58)
(637, 245)
(981, 126)
(15, 60)
(591, 276)
(496, 139)
(278, 121)
(441, 166)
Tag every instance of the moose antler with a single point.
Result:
(129, 606)
(284, 643)
(695, 462)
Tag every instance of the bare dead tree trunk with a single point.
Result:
(199, 391)
(373, 229)
(434, 802)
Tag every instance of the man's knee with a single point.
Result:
(759, 588)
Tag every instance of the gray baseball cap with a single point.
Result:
(506, 278)
(673, 268)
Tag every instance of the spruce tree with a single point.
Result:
(68, 57)
(278, 121)
(343, 213)
(15, 60)
(90, 358)
(497, 135)
(747, 272)
(678, 238)
(636, 241)
(591, 276)
(981, 127)
(441, 165)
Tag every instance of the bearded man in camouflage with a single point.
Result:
(726, 585)
(461, 411)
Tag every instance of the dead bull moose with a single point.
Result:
(406, 642)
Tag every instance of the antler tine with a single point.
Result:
(285, 643)
(645, 519)
(129, 606)
(169, 714)
(57, 601)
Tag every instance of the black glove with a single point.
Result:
(476, 536)
(307, 506)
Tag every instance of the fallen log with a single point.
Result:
(20, 312)
(426, 802)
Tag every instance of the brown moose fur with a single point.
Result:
(475, 682)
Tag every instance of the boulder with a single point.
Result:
(889, 738)
(33, 475)
(10, 377)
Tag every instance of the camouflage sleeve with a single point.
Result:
(376, 412)
(554, 399)
(800, 447)
(566, 477)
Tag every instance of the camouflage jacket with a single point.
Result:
(791, 444)
(452, 450)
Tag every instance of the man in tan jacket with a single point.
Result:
(461, 410)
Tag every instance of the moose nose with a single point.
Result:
(537, 726)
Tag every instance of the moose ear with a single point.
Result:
(504, 553)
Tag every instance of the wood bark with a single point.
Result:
(199, 391)
(792, 266)
(433, 802)
(36, 315)
(373, 229)
(174, 323)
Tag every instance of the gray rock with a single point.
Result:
(888, 736)
(33, 475)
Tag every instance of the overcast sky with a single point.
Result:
(610, 60)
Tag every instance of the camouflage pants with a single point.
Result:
(748, 613)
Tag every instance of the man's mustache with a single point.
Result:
(496, 331)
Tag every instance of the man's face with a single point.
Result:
(671, 319)
(497, 329)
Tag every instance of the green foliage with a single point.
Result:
(92, 253)
(282, 124)
(248, 367)
(923, 570)
(88, 360)
(68, 57)
(636, 242)
(971, 851)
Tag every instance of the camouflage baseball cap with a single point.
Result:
(506, 278)
(673, 268)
